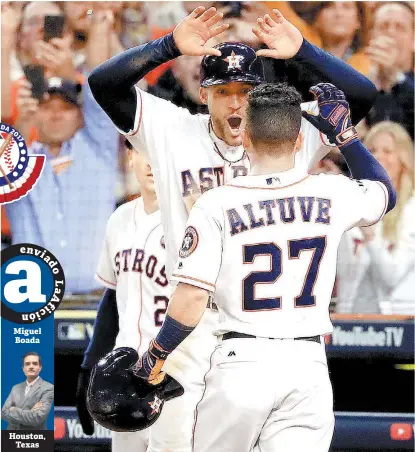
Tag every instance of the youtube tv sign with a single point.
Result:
(373, 431)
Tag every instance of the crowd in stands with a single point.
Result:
(86, 175)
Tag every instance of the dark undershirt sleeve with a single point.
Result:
(112, 82)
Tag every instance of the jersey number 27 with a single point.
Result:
(305, 298)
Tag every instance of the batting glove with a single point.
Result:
(334, 116)
(150, 364)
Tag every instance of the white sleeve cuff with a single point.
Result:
(193, 282)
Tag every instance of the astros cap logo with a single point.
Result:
(233, 61)
(190, 241)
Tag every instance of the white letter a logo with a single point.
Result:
(33, 291)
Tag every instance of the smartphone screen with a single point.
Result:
(53, 27)
(35, 74)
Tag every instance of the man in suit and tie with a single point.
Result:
(28, 404)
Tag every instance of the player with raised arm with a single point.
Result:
(191, 154)
(132, 268)
(265, 246)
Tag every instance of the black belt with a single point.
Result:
(234, 335)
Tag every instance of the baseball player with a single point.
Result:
(191, 154)
(265, 245)
(132, 264)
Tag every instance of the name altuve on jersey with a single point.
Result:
(285, 210)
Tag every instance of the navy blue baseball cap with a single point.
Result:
(238, 63)
(69, 90)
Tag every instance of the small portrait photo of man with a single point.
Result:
(29, 402)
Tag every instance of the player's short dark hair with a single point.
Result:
(273, 115)
(32, 354)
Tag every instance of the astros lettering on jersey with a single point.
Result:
(132, 263)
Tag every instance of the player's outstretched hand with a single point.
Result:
(150, 364)
(192, 33)
(334, 115)
(87, 422)
(282, 37)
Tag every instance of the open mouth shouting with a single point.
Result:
(234, 122)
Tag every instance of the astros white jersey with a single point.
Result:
(187, 159)
(132, 263)
(267, 247)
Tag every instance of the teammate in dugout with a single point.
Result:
(191, 154)
(132, 269)
(271, 240)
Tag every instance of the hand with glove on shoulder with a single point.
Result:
(334, 121)
(334, 117)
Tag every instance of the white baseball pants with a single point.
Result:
(273, 395)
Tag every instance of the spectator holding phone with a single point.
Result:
(54, 56)
(45, 41)
(95, 28)
(376, 264)
(67, 209)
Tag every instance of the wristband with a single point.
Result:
(346, 137)
(172, 333)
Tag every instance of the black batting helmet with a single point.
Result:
(119, 400)
(238, 63)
